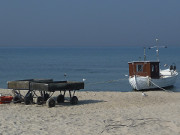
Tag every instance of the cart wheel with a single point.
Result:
(60, 99)
(74, 100)
(46, 96)
(50, 102)
(40, 100)
(27, 101)
(16, 99)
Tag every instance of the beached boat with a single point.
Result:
(145, 75)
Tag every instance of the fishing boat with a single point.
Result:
(144, 75)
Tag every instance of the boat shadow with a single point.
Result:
(169, 88)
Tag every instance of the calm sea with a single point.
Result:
(104, 68)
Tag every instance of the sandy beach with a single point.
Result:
(98, 113)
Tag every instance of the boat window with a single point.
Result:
(152, 68)
(139, 68)
(156, 68)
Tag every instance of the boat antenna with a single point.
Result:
(157, 48)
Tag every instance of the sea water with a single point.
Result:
(102, 68)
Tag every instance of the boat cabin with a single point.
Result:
(144, 68)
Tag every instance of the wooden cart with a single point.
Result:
(43, 89)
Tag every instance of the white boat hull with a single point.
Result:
(168, 78)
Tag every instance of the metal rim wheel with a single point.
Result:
(74, 100)
(51, 102)
(60, 98)
(40, 100)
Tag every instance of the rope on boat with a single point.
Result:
(159, 86)
(110, 81)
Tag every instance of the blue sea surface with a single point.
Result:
(104, 68)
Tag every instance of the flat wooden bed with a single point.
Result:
(43, 89)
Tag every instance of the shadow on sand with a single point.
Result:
(169, 89)
(80, 102)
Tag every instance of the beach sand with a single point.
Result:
(98, 113)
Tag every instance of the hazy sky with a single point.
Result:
(89, 22)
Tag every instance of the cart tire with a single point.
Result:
(51, 102)
(40, 100)
(74, 100)
(60, 98)
(16, 99)
(46, 96)
(27, 101)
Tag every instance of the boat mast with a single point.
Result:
(157, 48)
(144, 53)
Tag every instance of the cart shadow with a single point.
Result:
(81, 102)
